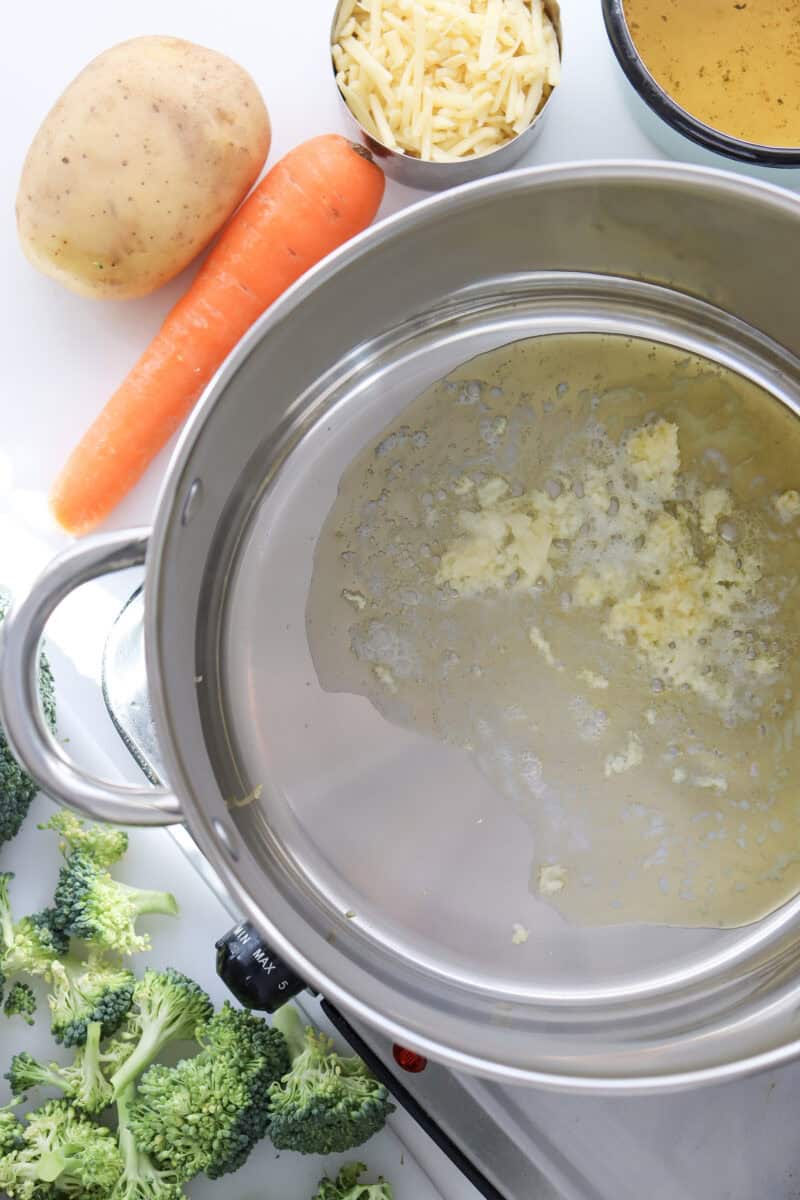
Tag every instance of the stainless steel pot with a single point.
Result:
(344, 839)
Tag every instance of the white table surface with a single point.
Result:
(62, 357)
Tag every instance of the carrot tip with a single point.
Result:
(363, 151)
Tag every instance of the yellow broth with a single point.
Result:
(732, 64)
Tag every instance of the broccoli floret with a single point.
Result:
(103, 843)
(33, 948)
(17, 789)
(20, 1002)
(83, 1082)
(141, 1178)
(28, 947)
(26, 1073)
(62, 1153)
(95, 990)
(207, 1113)
(89, 904)
(326, 1104)
(11, 1130)
(346, 1186)
(168, 1007)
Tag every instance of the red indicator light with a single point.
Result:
(409, 1060)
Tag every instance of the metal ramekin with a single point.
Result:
(434, 176)
(681, 124)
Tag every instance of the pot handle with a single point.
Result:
(25, 727)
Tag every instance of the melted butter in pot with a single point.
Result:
(577, 558)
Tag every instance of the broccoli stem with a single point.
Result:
(152, 1041)
(137, 1166)
(50, 1166)
(91, 1060)
(6, 918)
(131, 1153)
(145, 901)
(51, 1078)
(147, 1048)
(53, 1164)
(287, 1020)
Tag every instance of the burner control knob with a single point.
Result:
(258, 978)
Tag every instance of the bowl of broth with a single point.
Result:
(715, 78)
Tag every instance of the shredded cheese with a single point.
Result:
(445, 79)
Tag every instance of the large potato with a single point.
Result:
(146, 154)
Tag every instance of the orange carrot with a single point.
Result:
(322, 193)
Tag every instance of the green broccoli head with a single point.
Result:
(95, 990)
(17, 789)
(207, 1113)
(346, 1186)
(167, 1007)
(236, 1031)
(48, 936)
(89, 904)
(11, 1129)
(141, 1178)
(62, 1153)
(103, 843)
(82, 1082)
(326, 1104)
(21, 1002)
